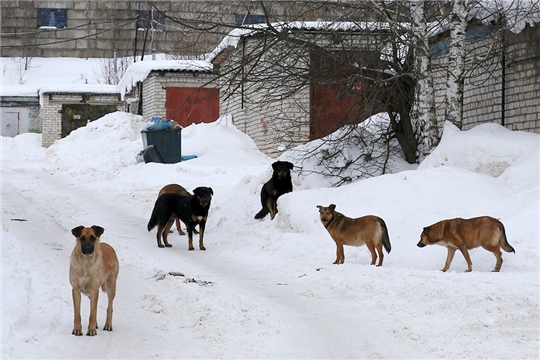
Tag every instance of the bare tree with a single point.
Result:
(112, 70)
(368, 68)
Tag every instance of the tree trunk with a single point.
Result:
(424, 104)
(456, 64)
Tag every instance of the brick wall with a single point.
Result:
(155, 88)
(50, 115)
(51, 123)
(483, 100)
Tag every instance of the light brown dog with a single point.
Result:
(93, 265)
(466, 234)
(369, 230)
(176, 189)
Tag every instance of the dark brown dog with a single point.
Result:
(176, 189)
(370, 230)
(466, 234)
(191, 210)
(93, 265)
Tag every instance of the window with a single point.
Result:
(148, 19)
(52, 18)
(249, 19)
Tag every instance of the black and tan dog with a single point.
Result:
(192, 210)
(176, 189)
(93, 265)
(279, 184)
(370, 230)
(466, 234)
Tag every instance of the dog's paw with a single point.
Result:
(91, 332)
(191, 248)
(161, 246)
(202, 248)
(77, 332)
(168, 245)
(107, 328)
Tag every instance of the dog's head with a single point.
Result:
(282, 169)
(203, 195)
(326, 213)
(430, 235)
(87, 238)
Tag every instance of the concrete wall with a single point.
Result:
(96, 27)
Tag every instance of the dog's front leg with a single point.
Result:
(92, 323)
(77, 327)
(340, 253)
(202, 225)
(449, 258)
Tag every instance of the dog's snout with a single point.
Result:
(87, 249)
(420, 244)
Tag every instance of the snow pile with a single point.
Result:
(489, 149)
(348, 154)
(267, 289)
(98, 149)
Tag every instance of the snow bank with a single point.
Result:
(490, 149)
(353, 152)
(98, 149)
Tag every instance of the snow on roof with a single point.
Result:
(76, 89)
(139, 71)
(250, 30)
(517, 13)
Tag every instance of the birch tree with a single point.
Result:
(424, 105)
(456, 63)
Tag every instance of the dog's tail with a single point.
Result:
(504, 242)
(384, 235)
(261, 214)
(153, 221)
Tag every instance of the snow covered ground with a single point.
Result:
(267, 289)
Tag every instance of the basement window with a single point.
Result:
(52, 18)
(243, 19)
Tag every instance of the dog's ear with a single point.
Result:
(98, 230)
(77, 231)
(289, 165)
(211, 191)
(274, 165)
(332, 207)
(320, 207)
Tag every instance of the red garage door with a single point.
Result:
(192, 105)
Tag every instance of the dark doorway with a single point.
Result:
(75, 116)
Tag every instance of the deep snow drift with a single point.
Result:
(268, 289)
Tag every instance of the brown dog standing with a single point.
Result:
(176, 189)
(466, 234)
(93, 265)
(370, 230)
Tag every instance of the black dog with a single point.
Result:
(279, 184)
(192, 210)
